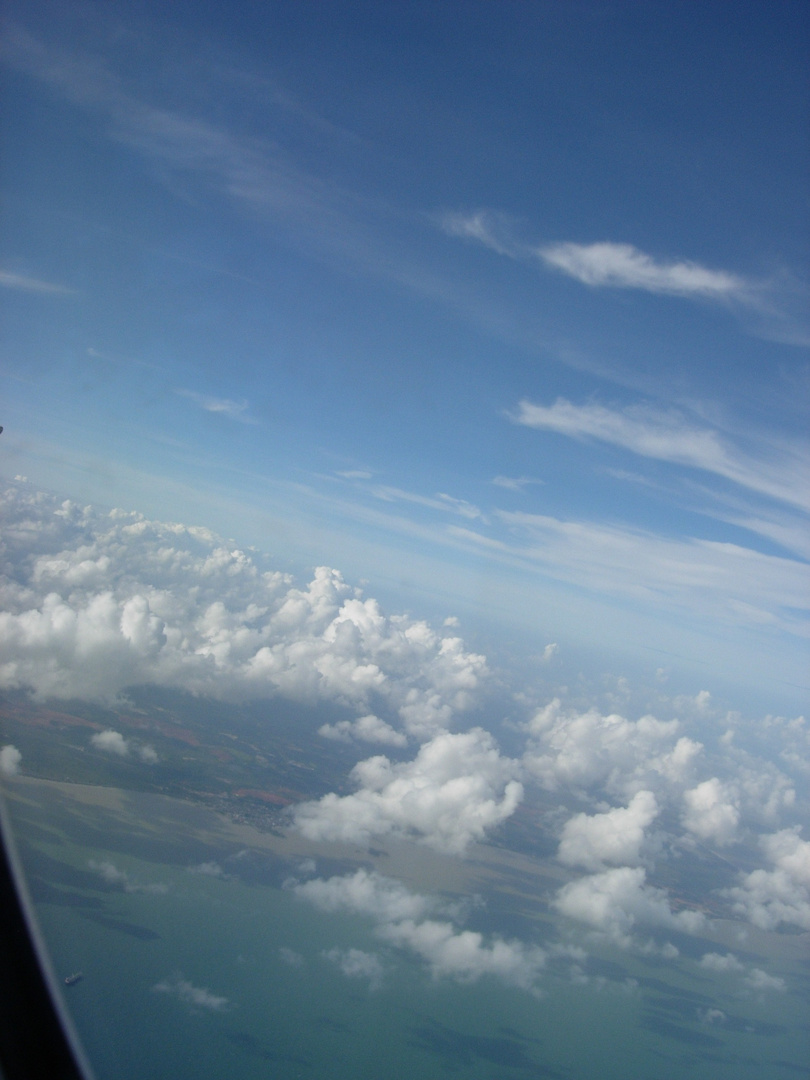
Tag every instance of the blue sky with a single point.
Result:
(501, 309)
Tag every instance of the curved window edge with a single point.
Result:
(37, 1036)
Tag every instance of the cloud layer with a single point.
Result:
(93, 603)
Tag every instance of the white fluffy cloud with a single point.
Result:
(713, 961)
(456, 789)
(404, 919)
(615, 837)
(754, 978)
(580, 751)
(93, 603)
(712, 811)
(208, 869)
(780, 895)
(365, 729)
(291, 957)
(757, 979)
(617, 902)
(10, 760)
(367, 893)
(357, 964)
(120, 879)
(113, 742)
(195, 996)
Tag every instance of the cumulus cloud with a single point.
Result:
(712, 811)
(93, 603)
(208, 869)
(711, 1016)
(195, 996)
(780, 895)
(713, 961)
(365, 729)
(367, 893)
(111, 742)
(119, 879)
(456, 789)
(583, 751)
(407, 921)
(10, 760)
(614, 837)
(623, 266)
(617, 902)
(757, 979)
(109, 873)
(754, 978)
(291, 957)
(357, 964)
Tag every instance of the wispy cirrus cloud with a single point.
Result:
(602, 264)
(441, 501)
(487, 227)
(726, 580)
(622, 266)
(35, 285)
(670, 436)
(773, 307)
(234, 410)
(515, 483)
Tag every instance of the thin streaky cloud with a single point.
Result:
(602, 264)
(668, 436)
(720, 581)
(515, 483)
(234, 410)
(440, 501)
(724, 579)
(790, 536)
(112, 358)
(623, 266)
(486, 227)
(35, 285)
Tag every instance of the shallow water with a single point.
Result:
(188, 974)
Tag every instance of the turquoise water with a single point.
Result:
(301, 1016)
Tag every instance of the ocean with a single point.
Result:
(198, 962)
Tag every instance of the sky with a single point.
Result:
(447, 363)
(506, 315)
